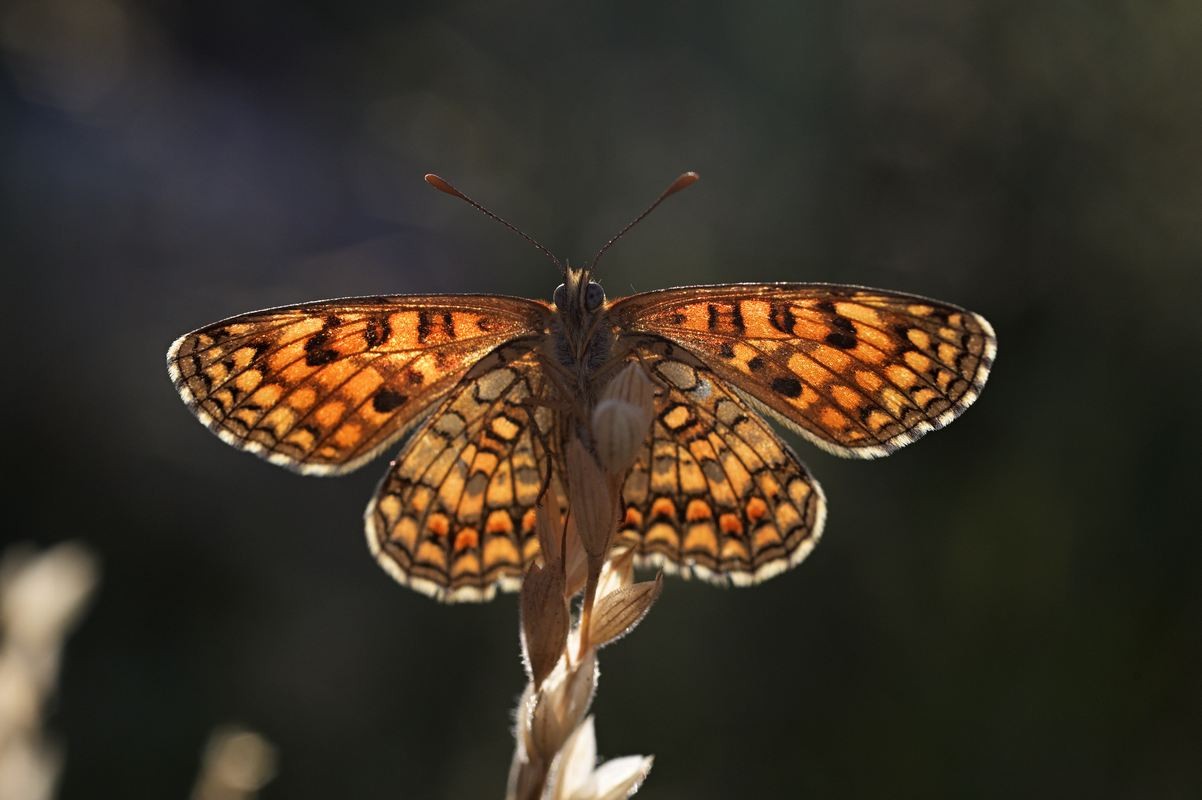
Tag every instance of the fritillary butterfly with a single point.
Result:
(495, 384)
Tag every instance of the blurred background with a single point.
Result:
(1010, 607)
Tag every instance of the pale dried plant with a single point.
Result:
(42, 596)
(556, 750)
(236, 764)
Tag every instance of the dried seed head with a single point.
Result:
(548, 527)
(622, 419)
(593, 506)
(632, 386)
(544, 621)
(617, 572)
(561, 705)
(577, 761)
(575, 560)
(620, 430)
(618, 612)
(578, 777)
(617, 778)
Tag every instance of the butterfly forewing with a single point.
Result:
(716, 493)
(454, 516)
(323, 387)
(860, 372)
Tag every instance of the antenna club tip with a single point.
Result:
(441, 185)
(686, 180)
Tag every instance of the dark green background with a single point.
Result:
(1009, 608)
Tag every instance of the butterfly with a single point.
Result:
(489, 387)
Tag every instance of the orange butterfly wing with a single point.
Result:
(323, 387)
(715, 493)
(860, 372)
(454, 516)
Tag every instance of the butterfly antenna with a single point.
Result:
(683, 182)
(445, 186)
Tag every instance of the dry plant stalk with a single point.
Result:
(41, 598)
(555, 752)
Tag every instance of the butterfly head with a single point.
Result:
(580, 340)
(579, 296)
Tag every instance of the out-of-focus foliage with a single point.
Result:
(1011, 603)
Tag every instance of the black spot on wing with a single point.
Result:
(841, 339)
(789, 387)
(317, 351)
(782, 318)
(377, 331)
(387, 400)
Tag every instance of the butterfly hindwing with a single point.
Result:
(716, 493)
(859, 372)
(454, 516)
(323, 387)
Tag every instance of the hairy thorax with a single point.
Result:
(579, 353)
(579, 357)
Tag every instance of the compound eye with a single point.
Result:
(560, 298)
(594, 296)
